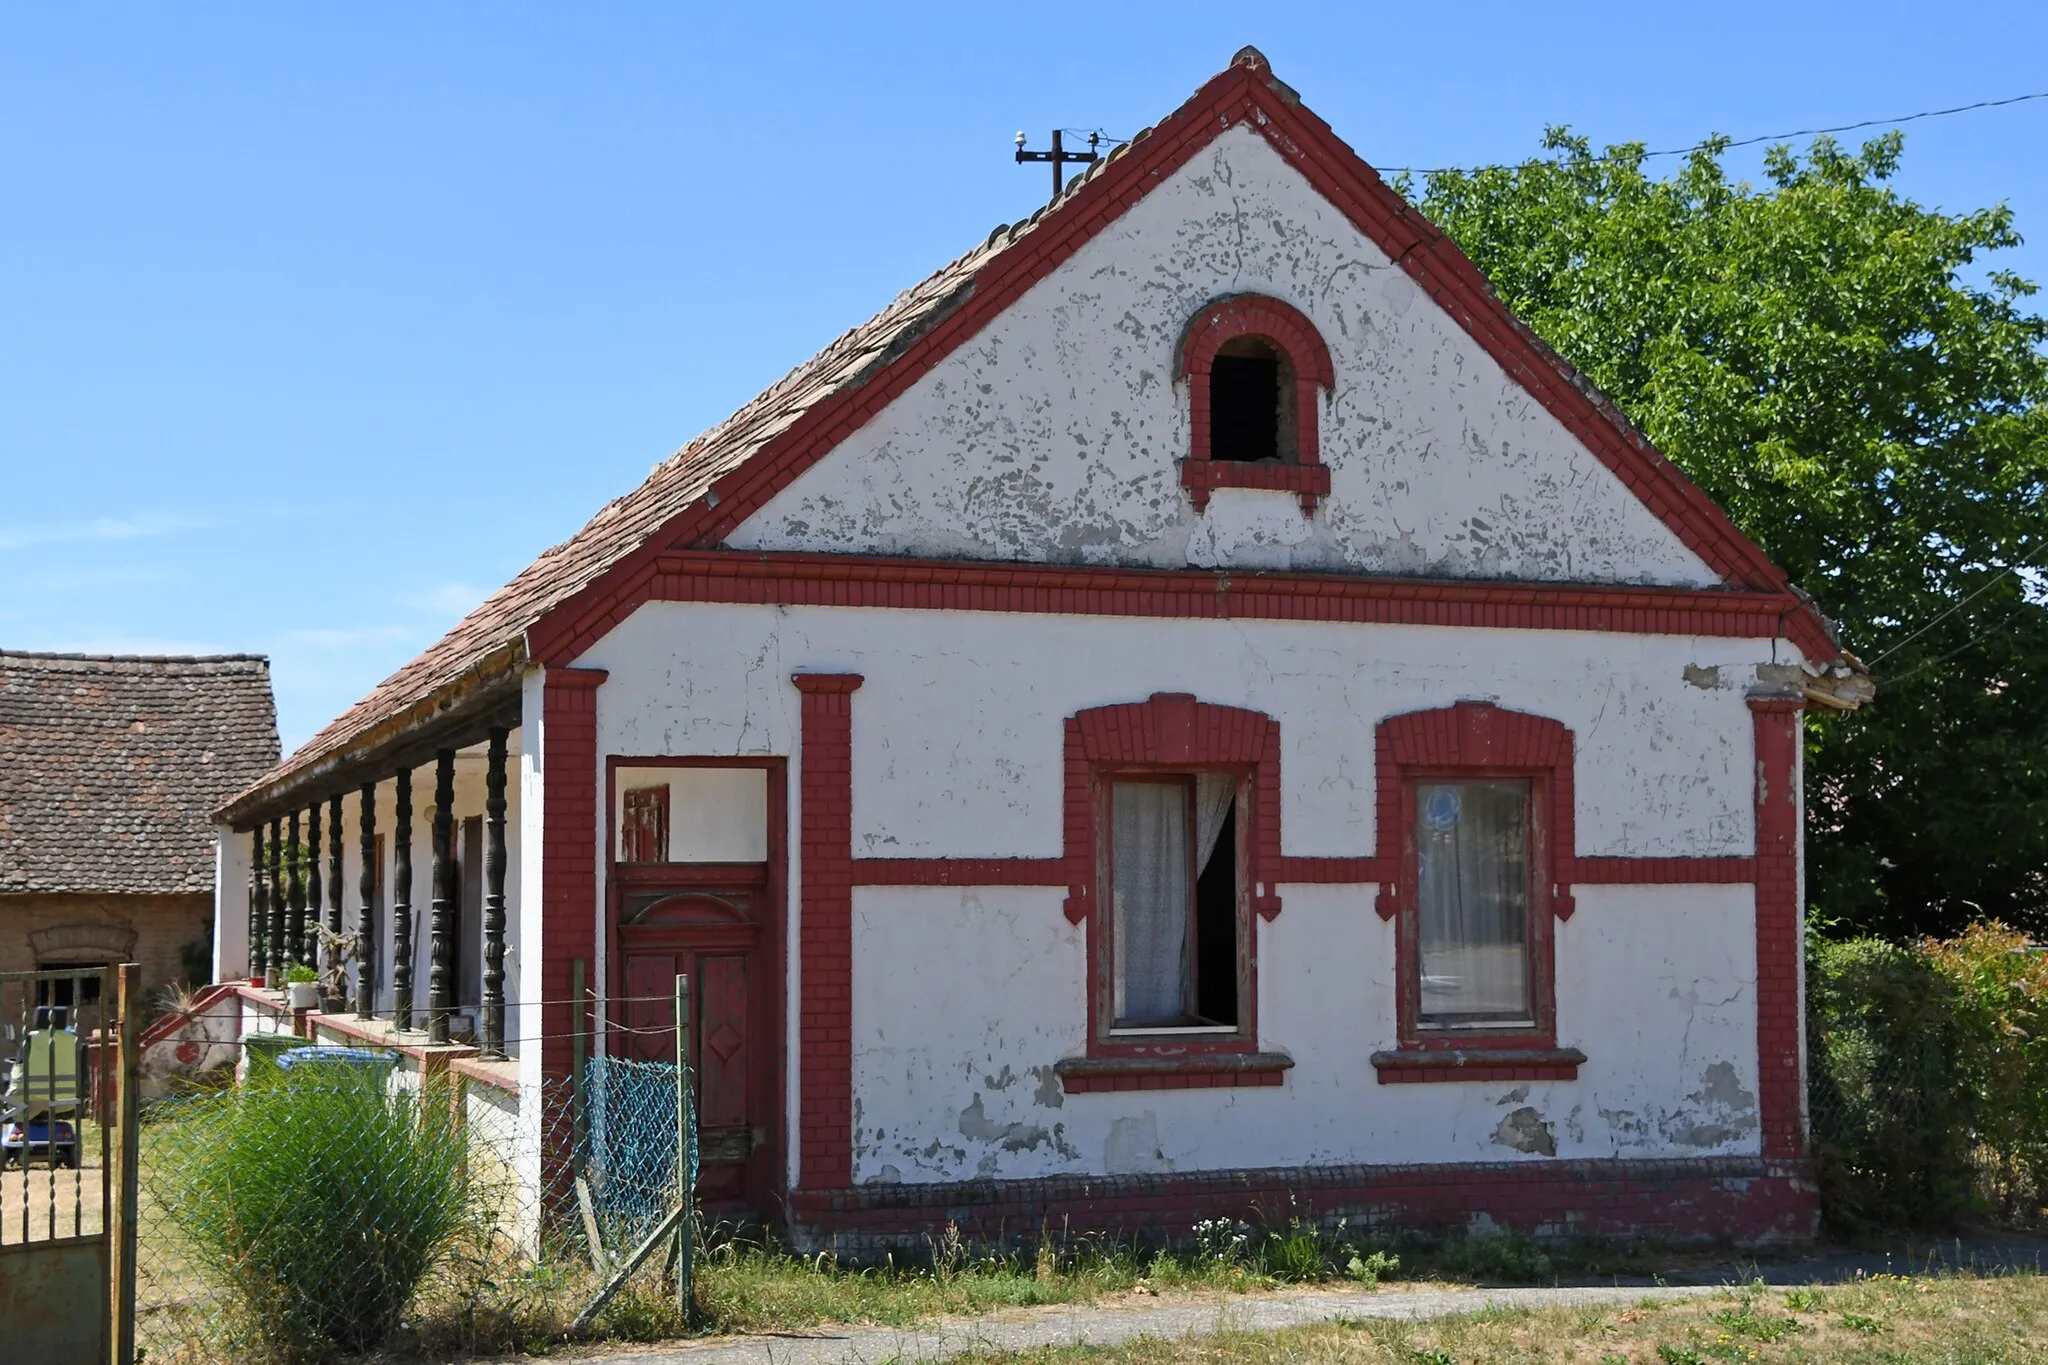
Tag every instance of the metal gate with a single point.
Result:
(68, 1143)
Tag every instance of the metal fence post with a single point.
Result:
(686, 1261)
(127, 1116)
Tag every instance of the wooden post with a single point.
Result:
(334, 843)
(273, 956)
(259, 907)
(366, 906)
(578, 1119)
(309, 941)
(443, 903)
(494, 896)
(686, 1194)
(128, 1128)
(295, 896)
(401, 904)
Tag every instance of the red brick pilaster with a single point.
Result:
(1778, 734)
(825, 961)
(569, 851)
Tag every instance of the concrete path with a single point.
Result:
(1086, 1325)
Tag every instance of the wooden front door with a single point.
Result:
(714, 934)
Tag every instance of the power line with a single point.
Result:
(1697, 146)
(1983, 588)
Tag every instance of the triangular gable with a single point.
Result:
(698, 497)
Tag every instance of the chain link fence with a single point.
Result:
(334, 1203)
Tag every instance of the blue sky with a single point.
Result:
(319, 322)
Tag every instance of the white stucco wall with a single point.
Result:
(1055, 433)
(230, 903)
(965, 997)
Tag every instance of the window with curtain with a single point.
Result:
(1173, 898)
(1472, 900)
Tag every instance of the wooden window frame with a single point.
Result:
(1476, 742)
(1287, 330)
(1141, 1038)
(1170, 734)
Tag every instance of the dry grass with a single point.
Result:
(1886, 1320)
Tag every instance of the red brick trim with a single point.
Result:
(1209, 1071)
(960, 872)
(1330, 871)
(1476, 739)
(825, 932)
(937, 585)
(1661, 871)
(1743, 1199)
(1779, 731)
(570, 849)
(1245, 94)
(1171, 732)
(1449, 1065)
(1226, 319)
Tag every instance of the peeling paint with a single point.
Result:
(1133, 1146)
(1707, 677)
(1526, 1131)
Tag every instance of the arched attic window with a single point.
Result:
(1253, 365)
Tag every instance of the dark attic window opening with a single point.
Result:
(1251, 403)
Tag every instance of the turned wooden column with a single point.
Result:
(401, 904)
(274, 941)
(258, 910)
(494, 897)
(438, 976)
(334, 843)
(295, 894)
(366, 906)
(309, 926)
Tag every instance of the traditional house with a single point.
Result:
(1190, 706)
(110, 770)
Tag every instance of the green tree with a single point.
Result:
(1838, 367)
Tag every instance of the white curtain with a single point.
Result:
(1472, 845)
(1149, 876)
(1214, 793)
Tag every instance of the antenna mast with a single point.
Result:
(1060, 157)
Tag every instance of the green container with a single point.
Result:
(262, 1051)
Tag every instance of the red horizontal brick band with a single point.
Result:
(960, 872)
(1339, 871)
(791, 579)
(1660, 871)
(1698, 1199)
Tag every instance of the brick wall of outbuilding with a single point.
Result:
(162, 925)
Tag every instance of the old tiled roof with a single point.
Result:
(111, 766)
(491, 636)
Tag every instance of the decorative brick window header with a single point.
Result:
(1300, 471)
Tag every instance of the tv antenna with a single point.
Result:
(1060, 157)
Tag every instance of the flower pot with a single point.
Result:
(302, 995)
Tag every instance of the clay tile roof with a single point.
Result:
(480, 639)
(111, 766)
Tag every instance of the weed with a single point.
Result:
(1857, 1322)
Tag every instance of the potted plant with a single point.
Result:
(301, 986)
(337, 951)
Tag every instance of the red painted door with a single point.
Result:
(712, 935)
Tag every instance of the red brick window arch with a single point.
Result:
(1253, 366)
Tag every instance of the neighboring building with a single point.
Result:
(110, 769)
(1192, 704)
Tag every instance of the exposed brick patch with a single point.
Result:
(569, 852)
(1698, 1199)
(1779, 729)
(825, 956)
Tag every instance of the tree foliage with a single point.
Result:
(1840, 369)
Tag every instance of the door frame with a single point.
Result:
(774, 941)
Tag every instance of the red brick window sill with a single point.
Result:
(1436, 1066)
(1309, 482)
(1085, 1075)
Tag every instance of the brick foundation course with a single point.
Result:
(1749, 1200)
